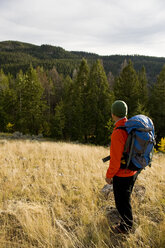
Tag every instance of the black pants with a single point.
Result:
(122, 188)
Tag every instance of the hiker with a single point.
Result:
(122, 179)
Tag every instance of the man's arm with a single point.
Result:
(116, 151)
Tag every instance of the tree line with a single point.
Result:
(15, 55)
(77, 107)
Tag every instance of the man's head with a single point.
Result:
(119, 109)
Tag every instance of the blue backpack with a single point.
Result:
(140, 143)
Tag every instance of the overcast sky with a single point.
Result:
(104, 27)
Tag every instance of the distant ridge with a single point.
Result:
(16, 55)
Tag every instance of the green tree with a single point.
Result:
(29, 100)
(4, 88)
(143, 90)
(98, 105)
(57, 87)
(126, 88)
(79, 101)
(111, 80)
(68, 96)
(10, 106)
(157, 104)
(7, 102)
(48, 93)
(59, 121)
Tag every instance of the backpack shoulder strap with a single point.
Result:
(129, 145)
(128, 139)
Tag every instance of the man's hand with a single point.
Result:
(108, 180)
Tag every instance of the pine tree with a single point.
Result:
(98, 104)
(7, 101)
(157, 104)
(143, 90)
(4, 88)
(79, 101)
(59, 121)
(111, 80)
(126, 88)
(29, 101)
(68, 108)
(123, 65)
(48, 93)
(10, 106)
(57, 89)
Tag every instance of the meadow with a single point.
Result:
(50, 196)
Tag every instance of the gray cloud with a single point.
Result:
(101, 26)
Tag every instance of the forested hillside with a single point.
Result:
(68, 95)
(16, 55)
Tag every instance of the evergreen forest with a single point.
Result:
(68, 95)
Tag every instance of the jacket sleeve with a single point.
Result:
(116, 151)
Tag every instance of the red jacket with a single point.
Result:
(118, 139)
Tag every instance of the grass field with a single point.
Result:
(50, 196)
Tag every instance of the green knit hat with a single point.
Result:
(119, 108)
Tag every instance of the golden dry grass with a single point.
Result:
(50, 197)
